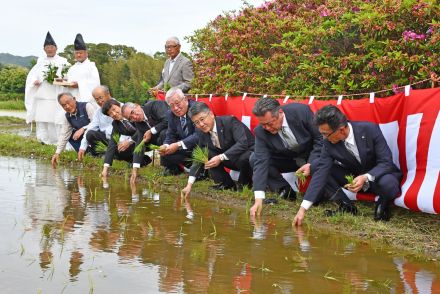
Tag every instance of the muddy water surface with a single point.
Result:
(64, 231)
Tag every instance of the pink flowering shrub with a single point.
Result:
(318, 47)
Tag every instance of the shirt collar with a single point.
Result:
(175, 58)
(214, 128)
(350, 137)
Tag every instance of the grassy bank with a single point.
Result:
(411, 232)
(12, 105)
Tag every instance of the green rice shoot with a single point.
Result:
(200, 155)
(350, 179)
(139, 147)
(153, 147)
(301, 177)
(100, 147)
(116, 137)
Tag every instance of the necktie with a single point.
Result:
(351, 148)
(288, 138)
(128, 126)
(184, 126)
(215, 140)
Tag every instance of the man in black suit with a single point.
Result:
(122, 148)
(151, 123)
(230, 144)
(181, 137)
(352, 148)
(285, 141)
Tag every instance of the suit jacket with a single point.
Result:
(121, 129)
(300, 120)
(156, 113)
(234, 136)
(175, 132)
(375, 155)
(180, 76)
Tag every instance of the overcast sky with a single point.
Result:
(142, 24)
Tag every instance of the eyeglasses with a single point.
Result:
(170, 46)
(177, 103)
(269, 123)
(201, 120)
(326, 136)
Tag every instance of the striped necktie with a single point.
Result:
(184, 126)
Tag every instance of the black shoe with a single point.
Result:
(203, 175)
(382, 211)
(171, 172)
(287, 193)
(270, 201)
(343, 208)
(222, 186)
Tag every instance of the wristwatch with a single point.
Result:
(179, 144)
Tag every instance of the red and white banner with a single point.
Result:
(411, 126)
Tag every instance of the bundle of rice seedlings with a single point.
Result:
(153, 147)
(200, 155)
(116, 136)
(100, 147)
(139, 147)
(301, 177)
(350, 179)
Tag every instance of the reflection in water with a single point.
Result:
(70, 231)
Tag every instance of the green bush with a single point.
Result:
(318, 47)
(13, 79)
(11, 96)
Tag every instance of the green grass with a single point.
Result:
(12, 105)
(200, 155)
(11, 120)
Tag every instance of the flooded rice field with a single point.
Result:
(65, 231)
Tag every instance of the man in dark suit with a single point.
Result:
(352, 148)
(181, 137)
(230, 144)
(177, 71)
(285, 141)
(123, 137)
(151, 123)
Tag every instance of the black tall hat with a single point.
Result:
(79, 43)
(49, 40)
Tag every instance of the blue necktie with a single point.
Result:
(184, 126)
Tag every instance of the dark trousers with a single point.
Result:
(93, 137)
(75, 143)
(175, 160)
(220, 176)
(277, 165)
(387, 186)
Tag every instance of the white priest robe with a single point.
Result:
(86, 75)
(41, 100)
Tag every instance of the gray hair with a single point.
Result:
(127, 104)
(197, 108)
(263, 105)
(173, 91)
(64, 94)
(174, 39)
(104, 88)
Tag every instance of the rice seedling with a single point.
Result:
(153, 147)
(91, 285)
(139, 147)
(328, 277)
(350, 179)
(22, 250)
(200, 155)
(100, 147)
(301, 177)
(116, 137)
(264, 269)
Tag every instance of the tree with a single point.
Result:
(318, 47)
(13, 79)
